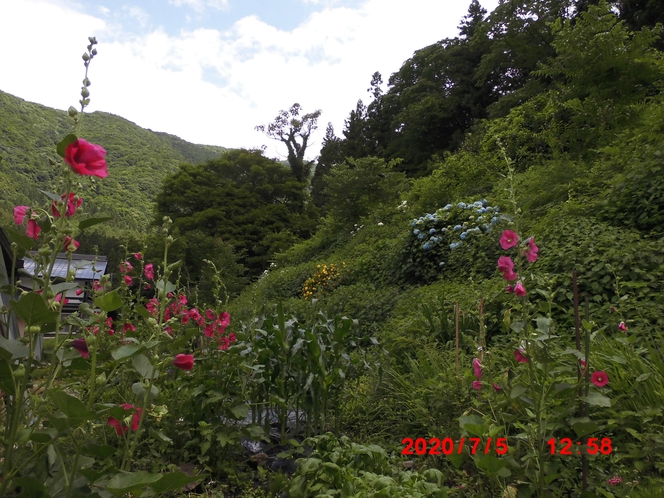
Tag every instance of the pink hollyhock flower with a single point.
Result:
(138, 255)
(497, 388)
(20, 212)
(70, 244)
(600, 379)
(97, 286)
(152, 306)
(509, 239)
(71, 205)
(184, 361)
(224, 342)
(86, 158)
(128, 280)
(58, 299)
(505, 264)
(224, 319)
(209, 332)
(232, 338)
(477, 384)
(583, 366)
(81, 346)
(149, 271)
(109, 322)
(79, 292)
(519, 356)
(120, 427)
(509, 289)
(510, 276)
(195, 316)
(615, 480)
(519, 289)
(126, 267)
(128, 327)
(210, 314)
(622, 326)
(531, 252)
(169, 330)
(182, 299)
(477, 368)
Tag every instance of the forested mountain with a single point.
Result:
(138, 159)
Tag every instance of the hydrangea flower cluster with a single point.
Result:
(454, 224)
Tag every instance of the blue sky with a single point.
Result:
(209, 71)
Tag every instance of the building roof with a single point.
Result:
(83, 263)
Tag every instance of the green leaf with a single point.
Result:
(517, 391)
(7, 378)
(43, 435)
(160, 286)
(131, 482)
(173, 481)
(64, 286)
(489, 463)
(22, 241)
(473, 424)
(110, 301)
(142, 311)
(73, 408)
(583, 426)
(160, 436)
(51, 195)
(90, 222)
(240, 412)
(98, 450)
(31, 487)
(596, 399)
(11, 349)
(643, 377)
(126, 351)
(33, 310)
(62, 146)
(138, 389)
(456, 459)
(143, 366)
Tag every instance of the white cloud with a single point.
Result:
(104, 10)
(209, 86)
(139, 14)
(200, 5)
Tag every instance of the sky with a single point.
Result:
(209, 71)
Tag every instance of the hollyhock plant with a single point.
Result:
(497, 388)
(509, 289)
(622, 326)
(505, 264)
(126, 267)
(86, 159)
(149, 271)
(72, 204)
(531, 252)
(509, 239)
(615, 480)
(81, 346)
(519, 356)
(477, 384)
(184, 361)
(519, 289)
(599, 378)
(477, 368)
(138, 255)
(128, 280)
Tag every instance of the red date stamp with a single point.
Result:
(592, 446)
(447, 446)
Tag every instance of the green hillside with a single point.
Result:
(138, 159)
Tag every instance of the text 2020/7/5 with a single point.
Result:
(447, 446)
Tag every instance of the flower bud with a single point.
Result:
(19, 372)
(86, 82)
(91, 341)
(86, 57)
(101, 379)
(49, 294)
(169, 239)
(94, 51)
(72, 111)
(34, 329)
(152, 321)
(85, 92)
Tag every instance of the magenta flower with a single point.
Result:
(519, 356)
(184, 361)
(477, 368)
(600, 379)
(20, 213)
(120, 427)
(477, 384)
(81, 346)
(615, 480)
(509, 239)
(149, 271)
(128, 327)
(70, 244)
(622, 326)
(128, 280)
(519, 289)
(79, 292)
(505, 264)
(138, 255)
(509, 289)
(531, 252)
(497, 388)
(86, 158)
(126, 267)
(71, 205)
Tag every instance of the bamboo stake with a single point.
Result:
(457, 338)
